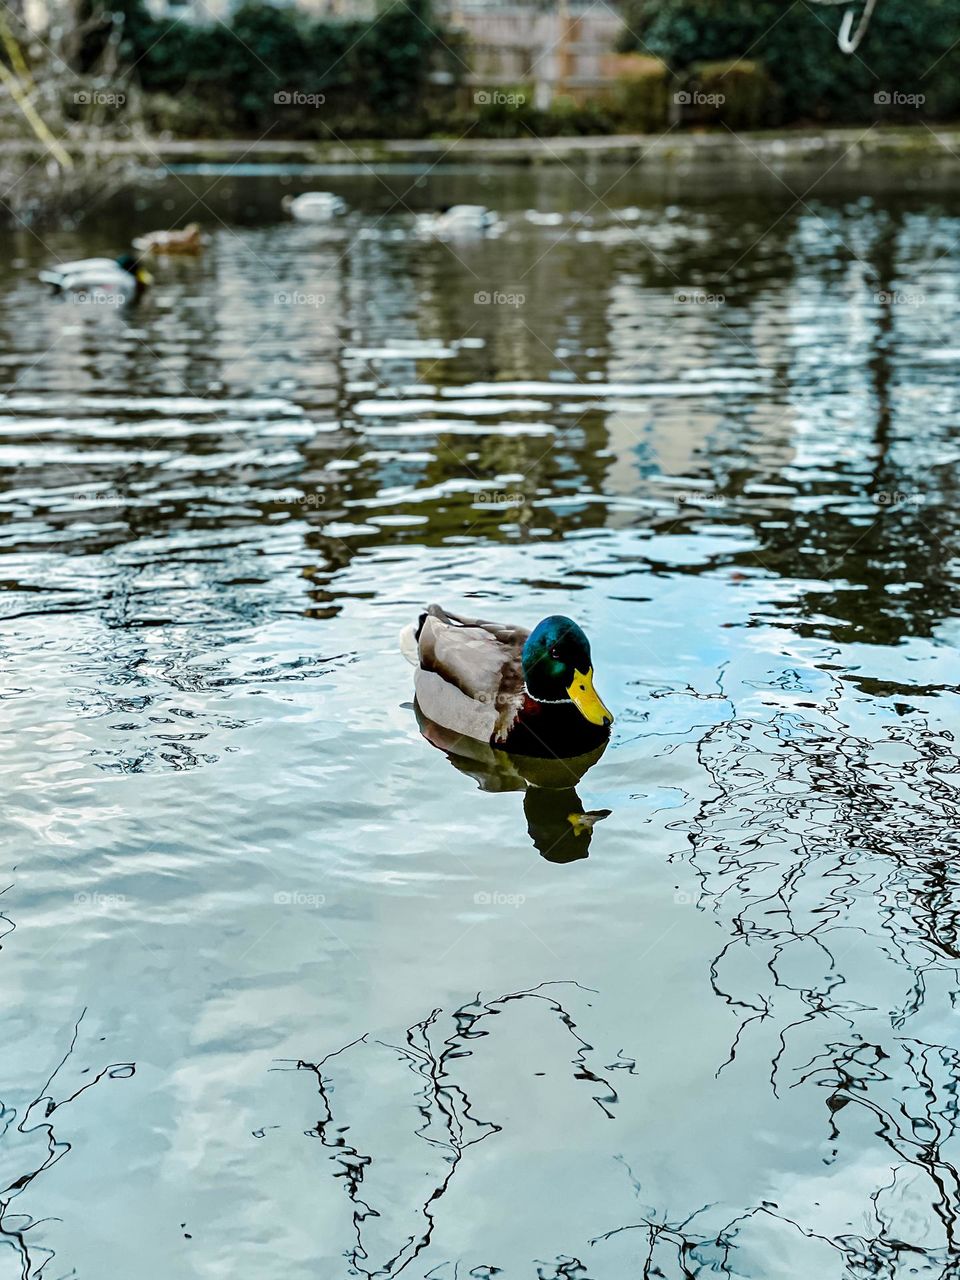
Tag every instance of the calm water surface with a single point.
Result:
(287, 994)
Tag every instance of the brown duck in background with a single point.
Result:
(189, 240)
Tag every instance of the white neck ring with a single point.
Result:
(548, 702)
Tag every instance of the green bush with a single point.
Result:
(278, 68)
(510, 113)
(570, 117)
(641, 93)
(908, 50)
(746, 98)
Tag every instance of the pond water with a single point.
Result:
(288, 994)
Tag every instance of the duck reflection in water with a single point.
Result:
(516, 710)
(557, 822)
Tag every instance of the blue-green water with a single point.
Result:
(322, 1007)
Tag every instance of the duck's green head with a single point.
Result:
(134, 266)
(557, 668)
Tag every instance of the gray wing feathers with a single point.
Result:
(499, 630)
(445, 704)
(477, 660)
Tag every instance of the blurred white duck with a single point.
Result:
(100, 279)
(457, 219)
(314, 206)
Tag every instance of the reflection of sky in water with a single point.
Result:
(232, 847)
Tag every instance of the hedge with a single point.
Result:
(910, 50)
(279, 67)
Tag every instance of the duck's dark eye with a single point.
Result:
(554, 653)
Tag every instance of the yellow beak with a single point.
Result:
(144, 276)
(585, 697)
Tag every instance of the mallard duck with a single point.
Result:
(189, 240)
(457, 219)
(314, 206)
(528, 693)
(99, 279)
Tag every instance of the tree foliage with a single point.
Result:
(909, 51)
(255, 70)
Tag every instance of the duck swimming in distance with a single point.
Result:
(118, 280)
(528, 693)
(314, 206)
(457, 220)
(187, 240)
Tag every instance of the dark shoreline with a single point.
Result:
(845, 147)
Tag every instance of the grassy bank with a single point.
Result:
(918, 144)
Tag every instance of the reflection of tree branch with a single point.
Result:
(40, 1110)
(704, 1253)
(447, 1122)
(848, 1071)
(812, 839)
(5, 920)
(804, 843)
